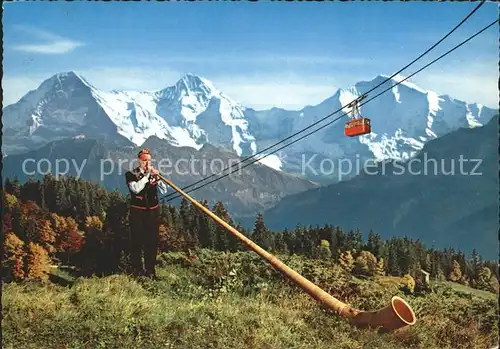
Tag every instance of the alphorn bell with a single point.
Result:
(396, 315)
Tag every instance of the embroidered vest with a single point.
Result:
(147, 198)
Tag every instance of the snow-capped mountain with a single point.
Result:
(194, 112)
(67, 105)
(403, 119)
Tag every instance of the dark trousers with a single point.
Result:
(144, 231)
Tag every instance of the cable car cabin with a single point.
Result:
(357, 127)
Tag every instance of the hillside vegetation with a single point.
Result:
(234, 300)
(66, 284)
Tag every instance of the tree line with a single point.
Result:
(77, 223)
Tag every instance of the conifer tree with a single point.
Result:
(62, 203)
(83, 203)
(289, 240)
(436, 269)
(341, 239)
(261, 235)
(460, 258)
(221, 234)
(280, 244)
(194, 226)
(184, 211)
(406, 256)
(49, 192)
(29, 191)
(206, 236)
(13, 187)
(374, 244)
(116, 224)
(303, 242)
(447, 260)
(310, 240)
(393, 266)
(476, 265)
(358, 240)
(351, 243)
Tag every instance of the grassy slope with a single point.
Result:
(181, 311)
(461, 288)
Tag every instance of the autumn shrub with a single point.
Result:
(365, 264)
(38, 263)
(322, 251)
(69, 238)
(13, 259)
(487, 281)
(10, 201)
(7, 222)
(46, 236)
(346, 260)
(24, 261)
(408, 285)
(172, 239)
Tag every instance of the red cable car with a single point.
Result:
(358, 125)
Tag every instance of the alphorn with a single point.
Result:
(394, 316)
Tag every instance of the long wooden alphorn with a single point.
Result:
(396, 315)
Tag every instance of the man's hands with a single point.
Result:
(153, 172)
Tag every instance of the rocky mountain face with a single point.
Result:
(446, 196)
(403, 119)
(190, 113)
(245, 191)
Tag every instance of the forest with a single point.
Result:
(74, 222)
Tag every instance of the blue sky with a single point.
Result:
(260, 54)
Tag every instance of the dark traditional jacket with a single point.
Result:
(147, 198)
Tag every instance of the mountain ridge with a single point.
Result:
(193, 112)
(458, 204)
(243, 192)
